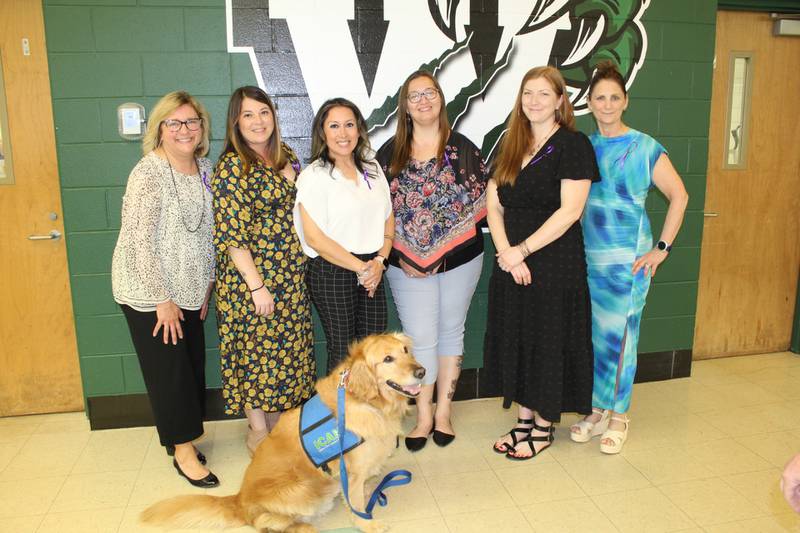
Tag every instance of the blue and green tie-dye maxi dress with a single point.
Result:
(617, 231)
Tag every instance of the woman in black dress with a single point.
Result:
(538, 347)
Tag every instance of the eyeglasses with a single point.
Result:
(192, 124)
(430, 94)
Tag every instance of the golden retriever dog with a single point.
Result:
(282, 490)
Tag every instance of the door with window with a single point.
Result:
(751, 237)
(39, 370)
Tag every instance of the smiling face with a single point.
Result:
(341, 133)
(607, 102)
(183, 142)
(539, 101)
(256, 124)
(427, 108)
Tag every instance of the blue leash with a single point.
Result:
(392, 479)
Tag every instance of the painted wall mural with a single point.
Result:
(478, 49)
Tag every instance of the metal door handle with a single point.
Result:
(710, 214)
(52, 236)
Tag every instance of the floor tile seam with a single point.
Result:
(58, 493)
(11, 459)
(684, 513)
(745, 496)
(444, 517)
(435, 501)
(44, 517)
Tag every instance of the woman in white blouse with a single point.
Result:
(162, 270)
(345, 222)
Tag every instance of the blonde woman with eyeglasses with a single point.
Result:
(162, 273)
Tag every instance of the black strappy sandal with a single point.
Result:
(506, 447)
(530, 439)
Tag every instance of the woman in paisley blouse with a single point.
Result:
(437, 180)
(263, 309)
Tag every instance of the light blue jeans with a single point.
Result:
(433, 310)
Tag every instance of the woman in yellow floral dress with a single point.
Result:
(263, 310)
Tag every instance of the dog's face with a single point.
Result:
(384, 365)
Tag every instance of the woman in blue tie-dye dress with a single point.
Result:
(620, 255)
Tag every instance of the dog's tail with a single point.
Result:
(195, 512)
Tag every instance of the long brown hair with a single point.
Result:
(518, 136)
(405, 127)
(235, 142)
(319, 148)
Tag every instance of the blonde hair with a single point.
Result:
(164, 108)
(518, 137)
(235, 141)
(405, 126)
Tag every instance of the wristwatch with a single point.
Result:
(663, 246)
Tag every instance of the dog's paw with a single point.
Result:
(372, 526)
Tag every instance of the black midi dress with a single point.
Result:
(538, 344)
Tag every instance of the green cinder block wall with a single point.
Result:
(106, 52)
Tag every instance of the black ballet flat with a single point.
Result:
(171, 452)
(442, 439)
(207, 482)
(415, 444)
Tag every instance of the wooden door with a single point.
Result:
(751, 247)
(38, 354)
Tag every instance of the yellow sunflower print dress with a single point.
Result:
(267, 362)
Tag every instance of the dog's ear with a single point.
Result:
(361, 382)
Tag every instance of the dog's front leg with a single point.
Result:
(358, 501)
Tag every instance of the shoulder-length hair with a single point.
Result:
(319, 148)
(405, 126)
(518, 136)
(164, 108)
(235, 141)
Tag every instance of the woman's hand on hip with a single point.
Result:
(649, 262)
(169, 316)
(263, 302)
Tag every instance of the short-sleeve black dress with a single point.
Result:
(538, 344)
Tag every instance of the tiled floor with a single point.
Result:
(704, 454)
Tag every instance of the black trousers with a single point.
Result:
(345, 310)
(174, 374)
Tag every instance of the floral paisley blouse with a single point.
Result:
(438, 205)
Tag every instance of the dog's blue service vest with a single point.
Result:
(319, 434)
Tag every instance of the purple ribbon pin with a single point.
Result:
(547, 151)
(628, 151)
(206, 181)
(296, 166)
(366, 179)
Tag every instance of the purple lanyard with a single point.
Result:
(547, 151)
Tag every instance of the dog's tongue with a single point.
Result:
(412, 389)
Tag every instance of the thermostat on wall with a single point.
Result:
(130, 121)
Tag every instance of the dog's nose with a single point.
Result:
(419, 373)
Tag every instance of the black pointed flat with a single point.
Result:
(207, 482)
(441, 438)
(171, 452)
